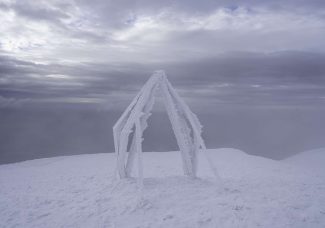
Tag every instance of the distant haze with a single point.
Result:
(273, 133)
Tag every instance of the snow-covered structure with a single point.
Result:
(129, 129)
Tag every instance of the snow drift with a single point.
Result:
(312, 161)
(80, 191)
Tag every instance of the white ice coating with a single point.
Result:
(185, 124)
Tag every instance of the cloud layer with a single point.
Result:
(100, 52)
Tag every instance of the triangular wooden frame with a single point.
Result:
(185, 124)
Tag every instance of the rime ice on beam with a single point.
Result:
(185, 124)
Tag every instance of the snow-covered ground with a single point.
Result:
(80, 191)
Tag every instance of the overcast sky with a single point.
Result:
(100, 52)
(253, 71)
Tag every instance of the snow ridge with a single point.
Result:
(81, 191)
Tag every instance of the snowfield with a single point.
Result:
(81, 191)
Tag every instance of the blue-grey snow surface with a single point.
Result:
(81, 191)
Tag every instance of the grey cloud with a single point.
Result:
(11, 102)
(287, 78)
(54, 15)
(287, 66)
(193, 6)
(121, 14)
(36, 11)
(22, 79)
(279, 78)
(95, 22)
(202, 42)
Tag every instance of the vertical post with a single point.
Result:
(138, 135)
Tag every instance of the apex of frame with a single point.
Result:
(159, 74)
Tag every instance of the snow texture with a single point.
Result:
(81, 191)
(185, 124)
